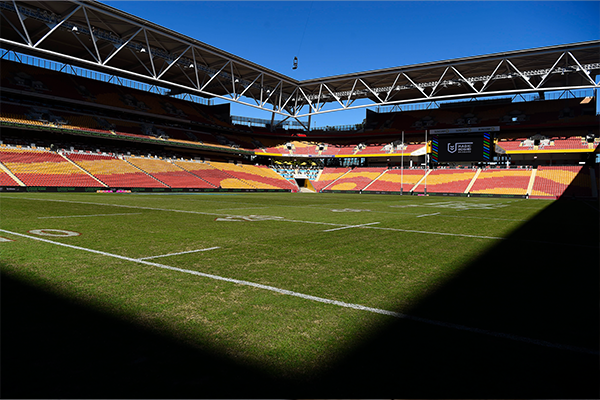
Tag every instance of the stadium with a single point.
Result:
(155, 245)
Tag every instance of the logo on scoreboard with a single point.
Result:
(460, 147)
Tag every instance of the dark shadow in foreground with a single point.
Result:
(522, 286)
(54, 347)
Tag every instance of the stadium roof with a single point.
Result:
(95, 36)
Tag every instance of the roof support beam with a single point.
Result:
(56, 27)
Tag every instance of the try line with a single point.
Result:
(486, 332)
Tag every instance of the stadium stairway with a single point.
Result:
(141, 170)
(13, 176)
(468, 189)
(83, 169)
(421, 180)
(336, 179)
(531, 181)
(374, 180)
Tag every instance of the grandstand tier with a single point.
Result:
(114, 172)
(447, 181)
(396, 180)
(502, 181)
(562, 181)
(43, 168)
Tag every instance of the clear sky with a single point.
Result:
(340, 37)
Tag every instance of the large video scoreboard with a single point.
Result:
(449, 146)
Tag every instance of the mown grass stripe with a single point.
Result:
(314, 222)
(327, 301)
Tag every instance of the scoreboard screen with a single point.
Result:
(461, 148)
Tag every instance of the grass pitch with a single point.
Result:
(332, 295)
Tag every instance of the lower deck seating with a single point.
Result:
(114, 172)
(357, 179)
(7, 180)
(396, 180)
(502, 181)
(447, 181)
(44, 168)
(266, 176)
(213, 175)
(568, 181)
(328, 175)
(169, 173)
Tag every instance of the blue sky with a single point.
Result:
(340, 37)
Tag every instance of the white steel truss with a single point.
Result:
(95, 36)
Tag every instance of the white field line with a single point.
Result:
(350, 226)
(183, 252)
(327, 301)
(587, 204)
(428, 215)
(241, 208)
(301, 221)
(89, 215)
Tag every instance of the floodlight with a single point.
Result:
(142, 50)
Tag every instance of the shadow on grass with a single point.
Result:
(521, 287)
(54, 347)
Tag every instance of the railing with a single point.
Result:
(98, 76)
(523, 97)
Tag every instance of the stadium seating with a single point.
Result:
(44, 168)
(567, 181)
(253, 177)
(395, 180)
(213, 175)
(357, 179)
(502, 181)
(265, 178)
(169, 173)
(447, 180)
(328, 175)
(7, 180)
(114, 172)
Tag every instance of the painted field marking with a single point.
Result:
(176, 254)
(240, 208)
(351, 226)
(54, 232)
(305, 222)
(428, 215)
(328, 301)
(349, 210)
(89, 215)
(3, 239)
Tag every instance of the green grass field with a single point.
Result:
(298, 295)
